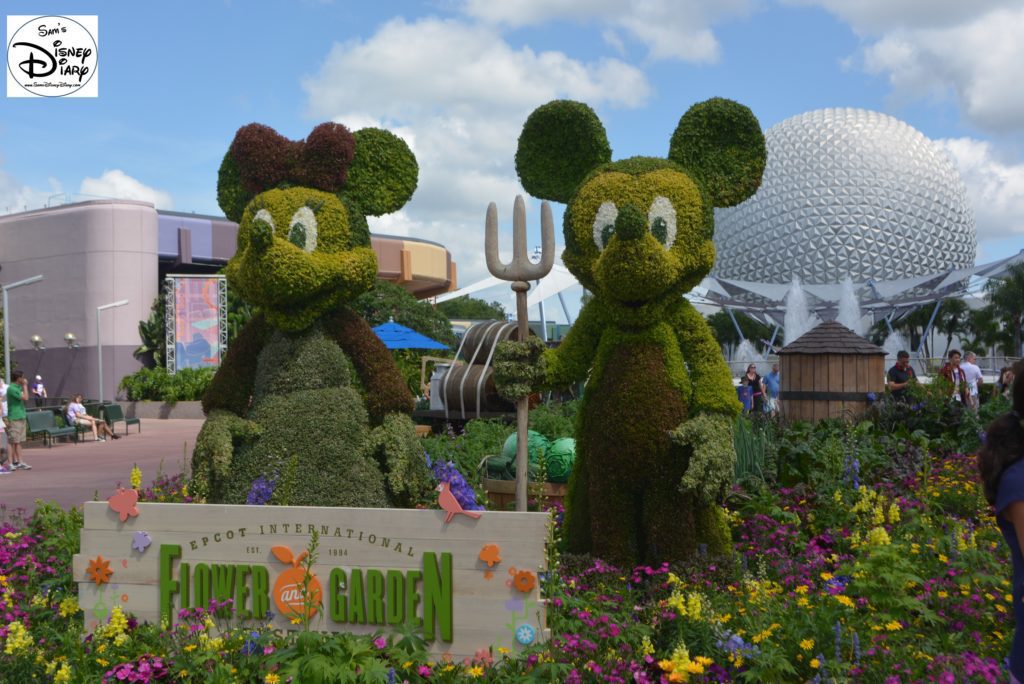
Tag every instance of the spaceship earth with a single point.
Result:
(848, 192)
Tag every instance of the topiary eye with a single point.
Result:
(302, 229)
(662, 221)
(264, 216)
(604, 224)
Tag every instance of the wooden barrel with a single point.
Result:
(479, 340)
(470, 390)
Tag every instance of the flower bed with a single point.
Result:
(898, 581)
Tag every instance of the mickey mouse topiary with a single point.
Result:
(654, 431)
(282, 405)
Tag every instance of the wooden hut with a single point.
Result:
(828, 373)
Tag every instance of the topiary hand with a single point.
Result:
(519, 368)
(713, 461)
(215, 445)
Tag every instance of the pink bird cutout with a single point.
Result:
(124, 503)
(451, 505)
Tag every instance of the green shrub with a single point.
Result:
(156, 384)
(554, 420)
(479, 438)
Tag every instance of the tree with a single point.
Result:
(387, 301)
(1006, 295)
(725, 332)
(981, 331)
(951, 319)
(472, 309)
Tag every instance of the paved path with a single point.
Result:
(71, 474)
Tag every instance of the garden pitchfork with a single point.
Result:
(520, 271)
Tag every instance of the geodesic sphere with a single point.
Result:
(847, 192)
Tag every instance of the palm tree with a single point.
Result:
(1006, 294)
(981, 330)
(951, 319)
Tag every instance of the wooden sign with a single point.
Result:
(375, 569)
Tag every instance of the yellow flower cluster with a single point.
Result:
(689, 605)
(136, 477)
(116, 630)
(680, 666)
(68, 607)
(59, 670)
(18, 639)
(764, 634)
(878, 537)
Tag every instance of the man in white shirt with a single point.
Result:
(972, 375)
(4, 469)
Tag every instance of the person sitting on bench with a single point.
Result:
(76, 415)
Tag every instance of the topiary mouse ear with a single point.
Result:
(720, 142)
(383, 174)
(231, 196)
(257, 160)
(561, 143)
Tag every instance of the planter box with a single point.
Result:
(158, 409)
(502, 493)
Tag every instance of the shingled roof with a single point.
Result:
(831, 338)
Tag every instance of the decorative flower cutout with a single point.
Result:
(522, 580)
(490, 554)
(99, 570)
(141, 541)
(525, 634)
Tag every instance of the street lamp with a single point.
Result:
(99, 340)
(7, 320)
(71, 340)
(37, 342)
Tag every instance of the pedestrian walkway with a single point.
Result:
(71, 474)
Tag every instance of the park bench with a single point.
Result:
(115, 414)
(45, 423)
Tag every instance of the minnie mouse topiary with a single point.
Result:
(282, 403)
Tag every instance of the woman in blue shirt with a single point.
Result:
(1001, 464)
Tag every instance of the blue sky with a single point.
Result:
(458, 77)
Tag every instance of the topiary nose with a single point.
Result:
(261, 235)
(630, 223)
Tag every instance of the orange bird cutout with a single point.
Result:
(99, 570)
(124, 503)
(451, 505)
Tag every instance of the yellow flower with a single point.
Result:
(296, 621)
(943, 594)
(63, 675)
(646, 647)
(807, 644)
(68, 607)
(878, 537)
(943, 558)
(18, 639)
(894, 513)
(271, 678)
(504, 651)
(803, 602)
(893, 626)
(845, 600)
(189, 648)
(826, 576)
(37, 601)
(136, 477)
(475, 671)
(815, 663)
(802, 589)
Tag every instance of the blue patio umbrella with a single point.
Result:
(395, 336)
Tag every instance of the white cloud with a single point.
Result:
(670, 29)
(117, 184)
(995, 187)
(458, 94)
(15, 196)
(934, 48)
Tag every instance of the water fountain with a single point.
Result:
(849, 308)
(747, 353)
(799, 318)
(894, 343)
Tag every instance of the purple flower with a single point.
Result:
(261, 491)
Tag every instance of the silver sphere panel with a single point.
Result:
(848, 192)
